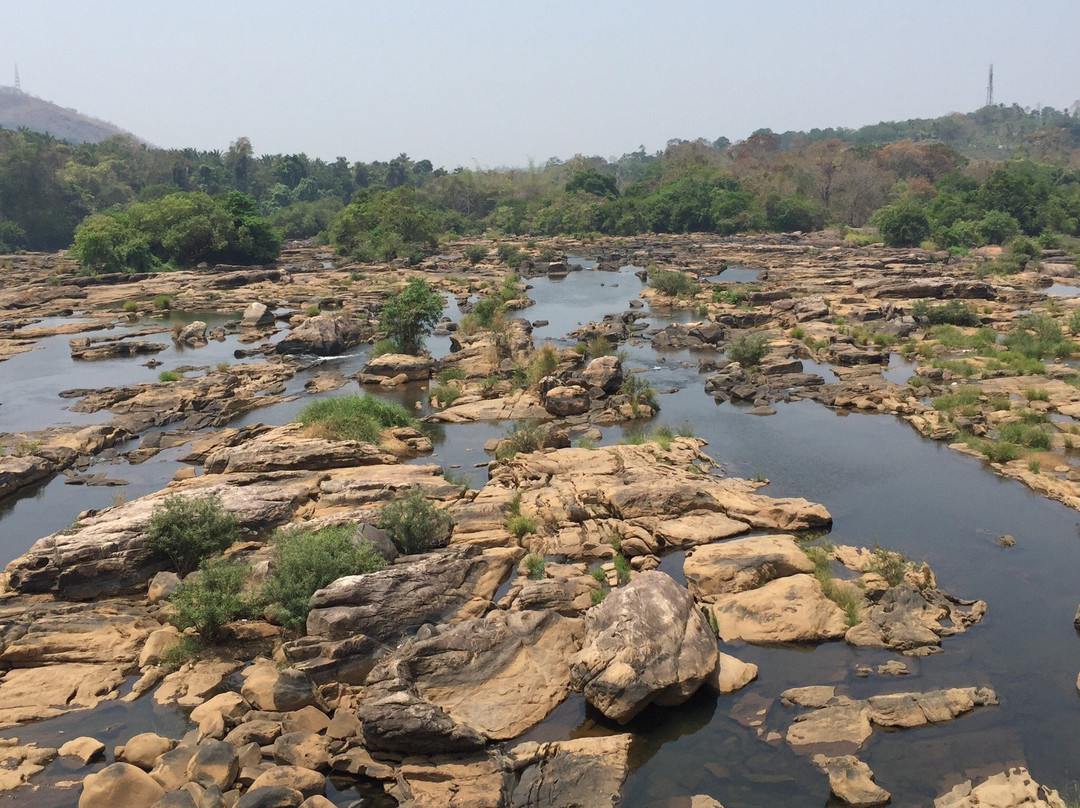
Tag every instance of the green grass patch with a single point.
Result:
(414, 524)
(353, 417)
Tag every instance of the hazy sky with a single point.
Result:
(486, 83)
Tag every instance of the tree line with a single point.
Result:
(124, 205)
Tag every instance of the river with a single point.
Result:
(884, 485)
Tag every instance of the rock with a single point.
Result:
(317, 801)
(388, 366)
(90, 349)
(231, 706)
(461, 781)
(916, 709)
(913, 620)
(161, 586)
(18, 763)
(112, 632)
(499, 675)
(193, 334)
(84, 748)
(703, 801)
(852, 782)
(359, 763)
(158, 644)
(565, 774)
(178, 798)
(322, 335)
(32, 694)
(267, 688)
(715, 570)
(260, 731)
(645, 643)
(271, 797)
(304, 749)
(305, 781)
(171, 769)
(1012, 788)
(190, 685)
(120, 784)
(214, 764)
(287, 449)
(731, 674)
(144, 749)
(791, 609)
(838, 728)
(257, 315)
(604, 372)
(385, 604)
(565, 401)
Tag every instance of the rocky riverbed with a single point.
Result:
(431, 681)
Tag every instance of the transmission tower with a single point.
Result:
(990, 88)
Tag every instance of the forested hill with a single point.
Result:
(18, 110)
(991, 132)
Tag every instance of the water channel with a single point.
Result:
(883, 484)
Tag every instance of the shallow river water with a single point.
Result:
(882, 483)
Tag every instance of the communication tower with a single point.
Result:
(990, 88)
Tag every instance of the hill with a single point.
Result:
(18, 109)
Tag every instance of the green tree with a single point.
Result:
(409, 315)
(903, 224)
(383, 225)
(590, 180)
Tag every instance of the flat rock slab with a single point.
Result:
(582, 773)
(31, 694)
(1012, 788)
(790, 609)
(715, 570)
(501, 674)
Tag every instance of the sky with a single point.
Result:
(485, 84)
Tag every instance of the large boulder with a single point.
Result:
(587, 772)
(789, 609)
(257, 315)
(645, 643)
(604, 372)
(715, 570)
(500, 674)
(120, 784)
(567, 400)
(395, 601)
(390, 366)
(322, 335)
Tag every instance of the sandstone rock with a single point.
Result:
(271, 797)
(18, 763)
(231, 706)
(32, 694)
(193, 334)
(171, 769)
(120, 784)
(178, 798)
(20, 472)
(911, 620)
(214, 764)
(1012, 788)
(645, 643)
(791, 609)
(84, 748)
(267, 688)
(190, 685)
(317, 801)
(499, 675)
(704, 801)
(731, 674)
(286, 448)
(304, 749)
(158, 644)
(734, 566)
(414, 368)
(359, 763)
(461, 781)
(852, 782)
(257, 315)
(839, 728)
(111, 632)
(306, 781)
(161, 586)
(564, 401)
(322, 335)
(306, 719)
(604, 372)
(564, 774)
(396, 600)
(144, 749)
(260, 731)
(700, 527)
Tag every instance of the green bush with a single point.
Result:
(445, 394)
(409, 315)
(475, 253)
(889, 564)
(162, 302)
(188, 529)
(622, 568)
(672, 283)
(523, 437)
(520, 525)
(353, 417)
(1037, 336)
(954, 312)
(748, 349)
(448, 374)
(534, 565)
(511, 255)
(639, 391)
(1074, 322)
(170, 376)
(305, 561)
(211, 597)
(381, 225)
(902, 224)
(414, 524)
